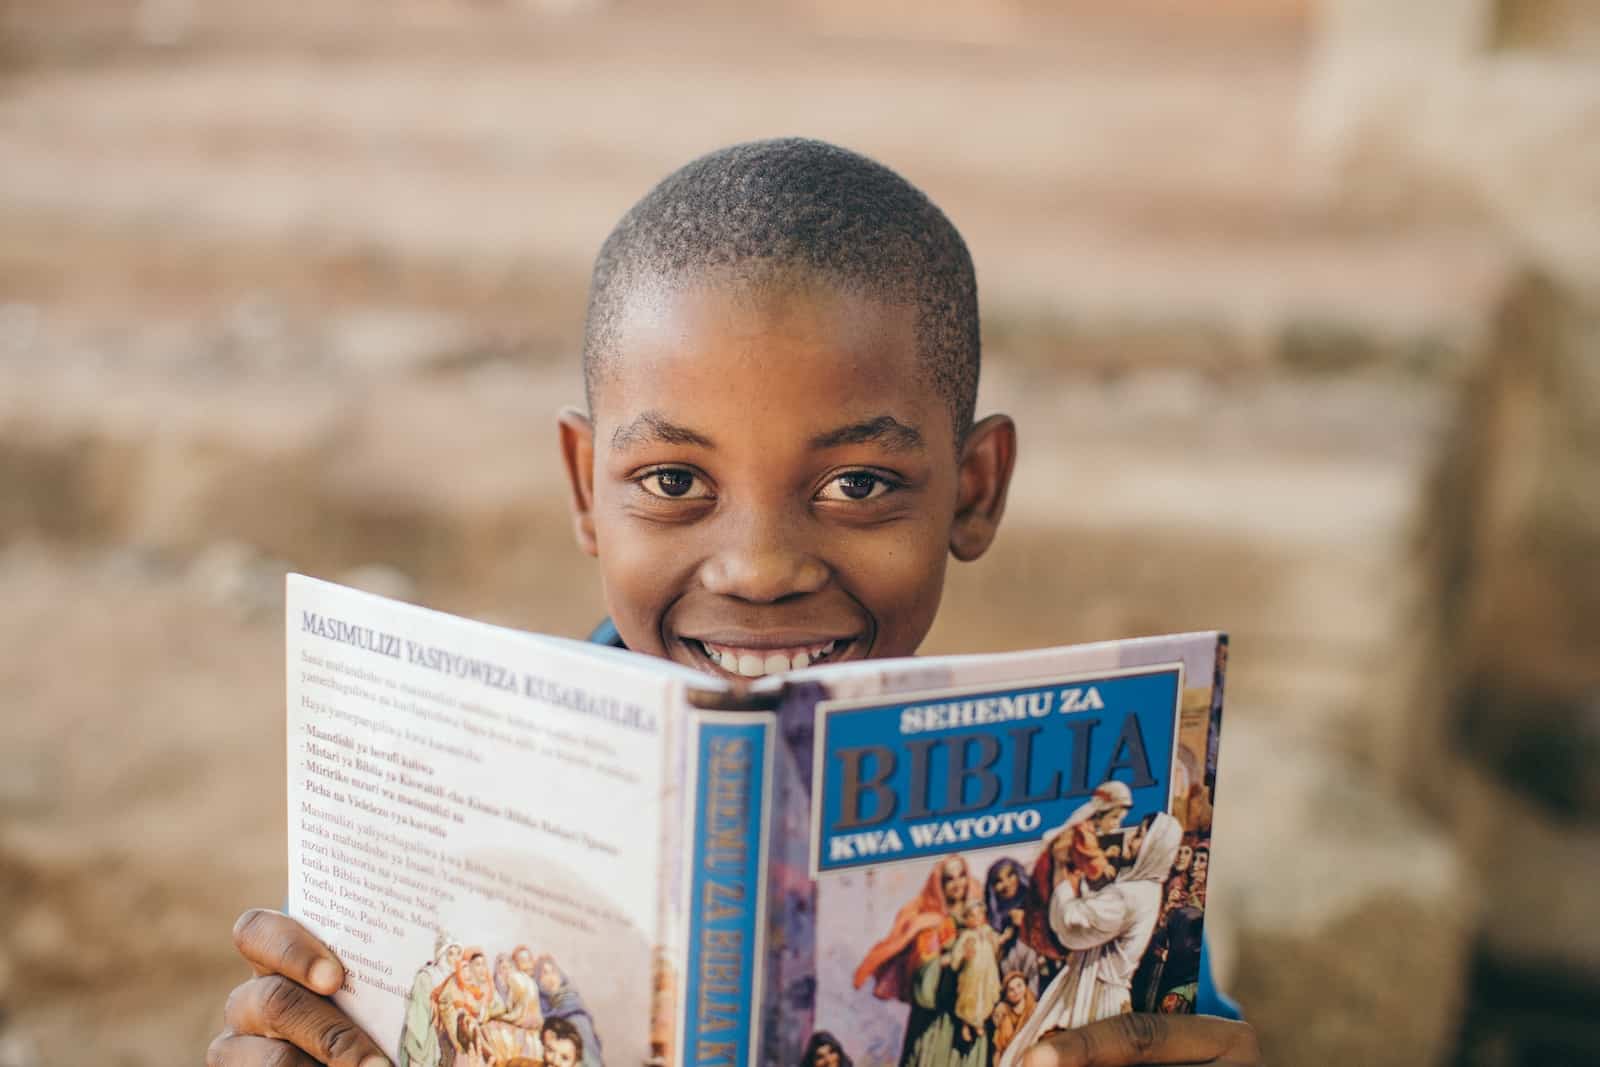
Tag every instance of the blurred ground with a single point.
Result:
(303, 289)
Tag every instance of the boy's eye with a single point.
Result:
(674, 483)
(855, 485)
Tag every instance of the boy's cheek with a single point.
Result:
(638, 589)
(901, 591)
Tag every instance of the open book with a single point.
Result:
(531, 850)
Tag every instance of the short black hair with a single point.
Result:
(563, 1030)
(766, 207)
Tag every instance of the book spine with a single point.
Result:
(731, 796)
(669, 954)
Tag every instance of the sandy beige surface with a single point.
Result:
(293, 291)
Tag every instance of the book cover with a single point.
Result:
(534, 851)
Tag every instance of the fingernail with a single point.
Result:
(325, 977)
(375, 1060)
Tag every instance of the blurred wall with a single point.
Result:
(1497, 102)
(300, 286)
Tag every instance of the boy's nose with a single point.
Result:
(762, 568)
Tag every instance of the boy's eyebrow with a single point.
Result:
(885, 430)
(652, 427)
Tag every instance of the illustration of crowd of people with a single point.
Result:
(522, 1012)
(1107, 919)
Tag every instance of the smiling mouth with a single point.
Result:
(745, 662)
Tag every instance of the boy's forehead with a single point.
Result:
(792, 352)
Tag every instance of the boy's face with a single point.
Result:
(559, 1051)
(1111, 820)
(770, 481)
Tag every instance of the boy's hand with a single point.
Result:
(1125, 1040)
(283, 1017)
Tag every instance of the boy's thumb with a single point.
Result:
(1125, 1040)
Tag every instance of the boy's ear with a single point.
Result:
(577, 452)
(986, 461)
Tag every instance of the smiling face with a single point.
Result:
(953, 880)
(769, 479)
(1016, 989)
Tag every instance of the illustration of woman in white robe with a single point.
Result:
(419, 1039)
(513, 1031)
(1106, 932)
(1071, 856)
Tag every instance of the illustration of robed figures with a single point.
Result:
(913, 964)
(1071, 854)
(419, 1039)
(1106, 932)
(561, 1000)
(1007, 890)
(513, 1032)
(467, 1000)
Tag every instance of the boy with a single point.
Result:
(976, 955)
(779, 455)
(563, 1045)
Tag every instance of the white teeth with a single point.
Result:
(756, 662)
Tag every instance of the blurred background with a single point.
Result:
(1294, 302)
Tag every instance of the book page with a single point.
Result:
(475, 825)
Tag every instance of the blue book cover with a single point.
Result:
(964, 854)
(530, 851)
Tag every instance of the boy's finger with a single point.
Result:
(1125, 1040)
(273, 1006)
(245, 1050)
(276, 944)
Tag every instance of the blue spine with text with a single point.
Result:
(727, 890)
